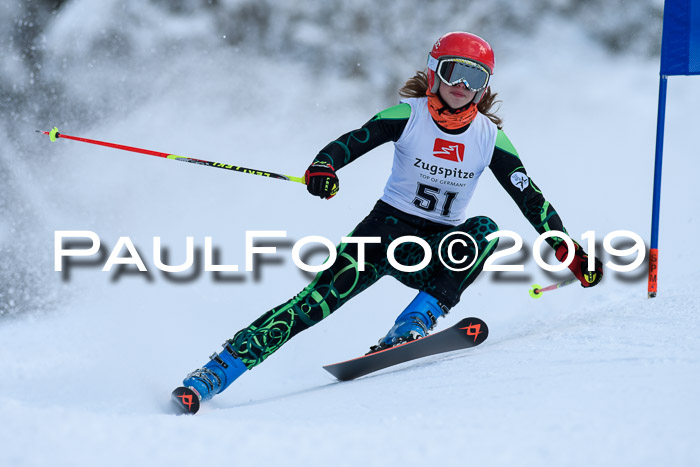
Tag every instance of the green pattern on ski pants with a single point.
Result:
(333, 287)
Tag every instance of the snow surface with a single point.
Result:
(579, 377)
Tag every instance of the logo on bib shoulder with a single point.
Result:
(520, 180)
(448, 150)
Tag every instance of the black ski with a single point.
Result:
(467, 333)
(186, 400)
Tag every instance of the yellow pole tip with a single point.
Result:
(535, 291)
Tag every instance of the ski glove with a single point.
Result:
(579, 265)
(321, 180)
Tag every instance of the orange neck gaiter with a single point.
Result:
(447, 117)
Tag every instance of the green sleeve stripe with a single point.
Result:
(397, 112)
(321, 301)
(545, 217)
(345, 148)
(330, 158)
(515, 170)
(503, 143)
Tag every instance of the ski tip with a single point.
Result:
(474, 328)
(186, 400)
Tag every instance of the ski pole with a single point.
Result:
(54, 135)
(537, 290)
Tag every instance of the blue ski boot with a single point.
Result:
(414, 322)
(216, 375)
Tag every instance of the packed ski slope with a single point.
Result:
(578, 377)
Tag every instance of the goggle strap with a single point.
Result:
(432, 62)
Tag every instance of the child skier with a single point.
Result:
(444, 128)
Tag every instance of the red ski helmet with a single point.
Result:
(460, 45)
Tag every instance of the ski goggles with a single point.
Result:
(453, 71)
